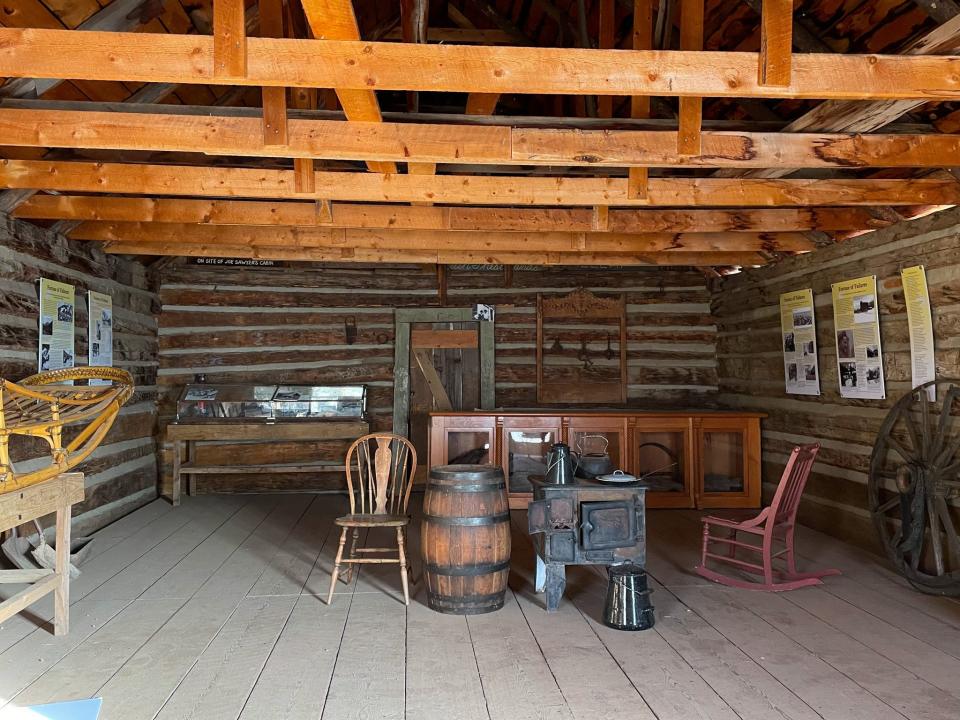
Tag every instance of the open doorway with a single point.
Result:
(444, 365)
(444, 360)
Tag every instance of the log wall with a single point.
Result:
(273, 325)
(750, 360)
(122, 473)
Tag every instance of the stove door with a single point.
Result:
(544, 516)
(611, 524)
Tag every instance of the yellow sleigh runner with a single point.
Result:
(40, 406)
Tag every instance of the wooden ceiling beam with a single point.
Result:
(362, 67)
(335, 20)
(435, 118)
(386, 143)
(178, 180)
(483, 241)
(437, 257)
(304, 214)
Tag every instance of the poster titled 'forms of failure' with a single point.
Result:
(57, 311)
(799, 337)
(856, 319)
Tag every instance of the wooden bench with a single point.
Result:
(56, 495)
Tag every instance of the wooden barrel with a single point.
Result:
(465, 539)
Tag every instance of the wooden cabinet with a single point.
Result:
(728, 469)
(662, 453)
(702, 460)
(525, 442)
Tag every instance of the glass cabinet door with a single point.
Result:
(469, 447)
(526, 442)
(728, 477)
(723, 461)
(660, 458)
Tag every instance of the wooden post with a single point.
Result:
(776, 42)
(61, 616)
(274, 98)
(607, 39)
(640, 104)
(229, 39)
(177, 460)
(691, 108)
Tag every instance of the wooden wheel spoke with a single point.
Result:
(912, 430)
(900, 449)
(944, 512)
(924, 425)
(885, 506)
(935, 542)
(945, 423)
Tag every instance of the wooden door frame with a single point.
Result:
(403, 319)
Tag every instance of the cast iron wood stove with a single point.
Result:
(584, 523)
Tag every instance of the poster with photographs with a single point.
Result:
(916, 295)
(57, 313)
(856, 319)
(99, 331)
(798, 333)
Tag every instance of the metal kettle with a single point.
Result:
(560, 468)
(592, 464)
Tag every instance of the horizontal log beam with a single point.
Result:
(428, 143)
(132, 179)
(437, 118)
(437, 257)
(304, 214)
(485, 241)
(359, 65)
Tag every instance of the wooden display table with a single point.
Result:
(689, 459)
(57, 495)
(184, 436)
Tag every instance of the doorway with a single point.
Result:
(444, 360)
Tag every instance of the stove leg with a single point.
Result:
(556, 582)
(541, 576)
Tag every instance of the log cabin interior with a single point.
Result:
(480, 359)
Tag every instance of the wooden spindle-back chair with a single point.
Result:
(776, 523)
(380, 472)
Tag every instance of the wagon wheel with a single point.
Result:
(914, 487)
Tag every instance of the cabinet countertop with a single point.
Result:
(611, 412)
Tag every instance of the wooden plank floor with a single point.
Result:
(214, 610)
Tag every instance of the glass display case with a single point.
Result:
(269, 403)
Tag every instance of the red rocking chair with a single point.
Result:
(775, 523)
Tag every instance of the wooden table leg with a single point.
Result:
(61, 621)
(177, 488)
(556, 582)
(191, 478)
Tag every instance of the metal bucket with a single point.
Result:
(628, 599)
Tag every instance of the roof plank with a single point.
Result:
(365, 66)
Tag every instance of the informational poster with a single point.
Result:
(919, 320)
(57, 313)
(856, 319)
(799, 340)
(100, 330)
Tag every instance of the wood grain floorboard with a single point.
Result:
(216, 609)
